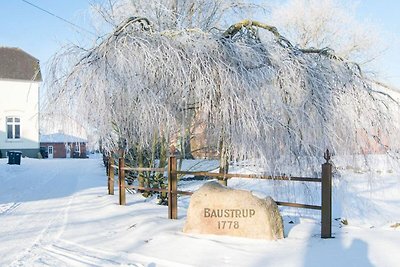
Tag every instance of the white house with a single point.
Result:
(20, 79)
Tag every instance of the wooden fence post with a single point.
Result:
(110, 176)
(223, 162)
(172, 188)
(326, 198)
(121, 181)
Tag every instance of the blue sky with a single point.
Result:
(41, 34)
(386, 14)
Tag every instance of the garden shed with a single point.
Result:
(61, 145)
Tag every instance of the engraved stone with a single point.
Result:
(220, 210)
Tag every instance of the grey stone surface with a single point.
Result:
(220, 210)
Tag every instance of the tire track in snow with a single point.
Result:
(7, 208)
(50, 233)
(53, 229)
(45, 246)
(78, 255)
(23, 218)
(23, 221)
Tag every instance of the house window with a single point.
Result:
(13, 128)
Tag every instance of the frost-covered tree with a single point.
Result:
(258, 95)
(175, 14)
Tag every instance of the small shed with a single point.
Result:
(61, 145)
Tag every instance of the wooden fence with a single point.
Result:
(173, 192)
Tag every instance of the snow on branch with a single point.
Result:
(265, 98)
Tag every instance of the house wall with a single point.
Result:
(60, 151)
(20, 99)
(82, 150)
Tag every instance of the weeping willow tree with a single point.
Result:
(257, 95)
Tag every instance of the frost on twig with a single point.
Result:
(265, 98)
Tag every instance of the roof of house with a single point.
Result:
(16, 64)
(60, 138)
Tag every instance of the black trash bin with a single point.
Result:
(14, 157)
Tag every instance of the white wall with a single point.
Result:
(20, 99)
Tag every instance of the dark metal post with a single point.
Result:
(326, 198)
(121, 181)
(172, 188)
(110, 176)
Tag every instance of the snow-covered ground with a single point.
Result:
(57, 213)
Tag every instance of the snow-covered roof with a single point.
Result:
(60, 138)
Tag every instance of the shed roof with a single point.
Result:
(61, 138)
(16, 64)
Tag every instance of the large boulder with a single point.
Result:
(216, 209)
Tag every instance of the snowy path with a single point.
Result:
(50, 198)
(58, 213)
(38, 209)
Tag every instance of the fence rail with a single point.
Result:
(298, 205)
(251, 176)
(173, 192)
